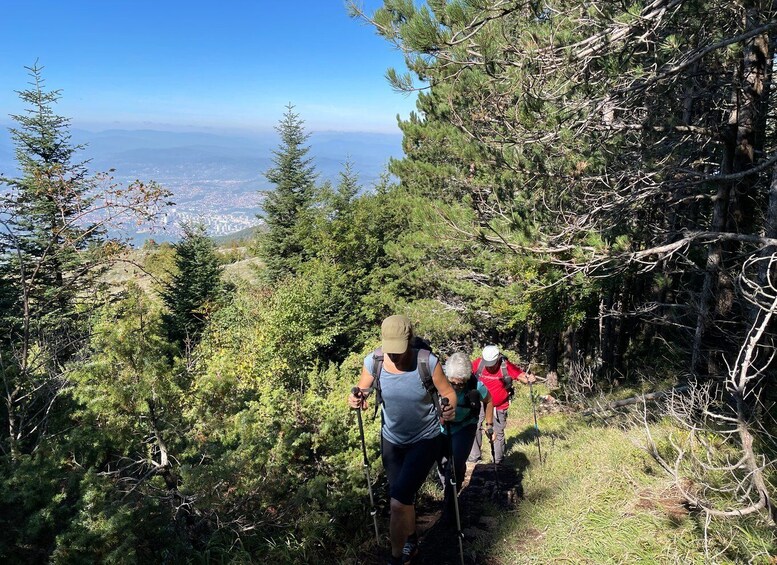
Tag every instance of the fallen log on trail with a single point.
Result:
(640, 398)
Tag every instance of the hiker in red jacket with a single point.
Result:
(497, 373)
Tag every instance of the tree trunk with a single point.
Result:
(552, 356)
(734, 208)
(607, 333)
(569, 349)
(12, 427)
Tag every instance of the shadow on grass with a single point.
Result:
(492, 493)
(517, 446)
(529, 435)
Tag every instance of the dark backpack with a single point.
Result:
(472, 398)
(422, 349)
(507, 380)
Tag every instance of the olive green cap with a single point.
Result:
(396, 332)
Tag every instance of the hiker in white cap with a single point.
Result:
(495, 371)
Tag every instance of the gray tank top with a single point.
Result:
(409, 415)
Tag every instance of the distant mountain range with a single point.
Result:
(216, 178)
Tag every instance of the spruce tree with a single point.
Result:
(47, 262)
(194, 287)
(46, 228)
(287, 207)
(333, 226)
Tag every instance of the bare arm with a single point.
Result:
(365, 382)
(488, 404)
(518, 374)
(445, 390)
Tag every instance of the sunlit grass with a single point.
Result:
(597, 497)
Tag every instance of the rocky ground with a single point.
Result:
(488, 490)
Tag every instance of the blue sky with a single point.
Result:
(204, 65)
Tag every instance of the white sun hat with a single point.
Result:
(490, 355)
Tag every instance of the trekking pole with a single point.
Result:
(536, 427)
(454, 493)
(356, 391)
(493, 458)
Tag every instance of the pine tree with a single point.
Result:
(612, 159)
(194, 287)
(287, 207)
(46, 239)
(46, 230)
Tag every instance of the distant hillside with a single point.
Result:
(205, 156)
(238, 236)
(215, 178)
(237, 157)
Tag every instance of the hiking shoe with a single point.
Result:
(410, 550)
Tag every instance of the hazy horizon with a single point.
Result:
(197, 65)
(188, 93)
(215, 178)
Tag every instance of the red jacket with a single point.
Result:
(492, 378)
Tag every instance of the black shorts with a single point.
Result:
(408, 466)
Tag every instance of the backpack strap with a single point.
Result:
(473, 400)
(507, 380)
(422, 360)
(377, 367)
(472, 382)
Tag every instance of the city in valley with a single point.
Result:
(222, 206)
(215, 179)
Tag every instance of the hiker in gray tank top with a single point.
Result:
(408, 383)
(408, 412)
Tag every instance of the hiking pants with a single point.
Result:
(462, 444)
(408, 465)
(500, 422)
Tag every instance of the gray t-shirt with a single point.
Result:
(409, 414)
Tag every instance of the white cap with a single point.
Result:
(490, 355)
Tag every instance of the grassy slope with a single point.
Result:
(151, 269)
(599, 498)
(137, 266)
(242, 236)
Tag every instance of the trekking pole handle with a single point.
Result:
(440, 402)
(359, 394)
(444, 402)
